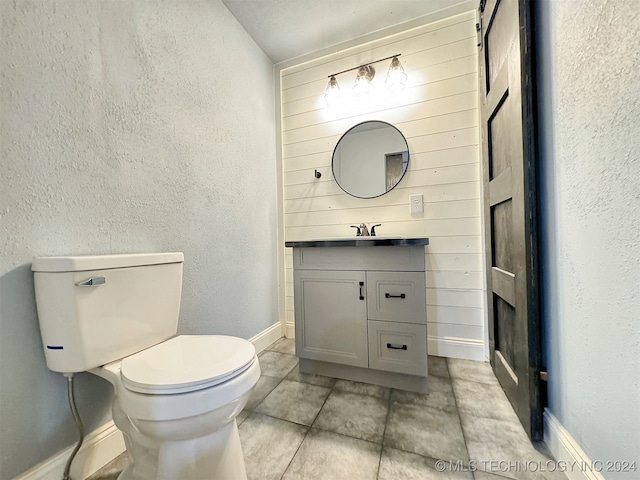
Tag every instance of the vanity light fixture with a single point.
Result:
(396, 80)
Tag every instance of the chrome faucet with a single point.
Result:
(359, 230)
(363, 231)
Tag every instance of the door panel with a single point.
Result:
(334, 330)
(508, 139)
(499, 38)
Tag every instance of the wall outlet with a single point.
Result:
(415, 203)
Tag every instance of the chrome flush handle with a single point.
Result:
(92, 282)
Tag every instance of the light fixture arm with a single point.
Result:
(363, 65)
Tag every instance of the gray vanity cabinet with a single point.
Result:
(360, 314)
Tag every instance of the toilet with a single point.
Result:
(176, 396)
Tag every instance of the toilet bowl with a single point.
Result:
(176, 397)
(176, 403)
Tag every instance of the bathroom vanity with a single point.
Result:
(360, 309)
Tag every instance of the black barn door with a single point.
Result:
(509, 187)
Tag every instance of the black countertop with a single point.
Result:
(360, 242)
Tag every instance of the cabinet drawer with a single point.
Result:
(398, 347)
(396, 297)
(410, 259)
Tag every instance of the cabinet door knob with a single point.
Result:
(396, 347)
(361, 292)
(388, 295)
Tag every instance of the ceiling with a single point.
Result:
(286, 29)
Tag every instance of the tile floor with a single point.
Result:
(299, 426)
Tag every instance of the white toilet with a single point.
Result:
(176, 397)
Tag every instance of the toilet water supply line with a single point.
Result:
(77, 419)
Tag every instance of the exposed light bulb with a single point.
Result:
(332, 93)
(396, 78)
(362, 87)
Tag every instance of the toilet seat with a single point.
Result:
(186, 363)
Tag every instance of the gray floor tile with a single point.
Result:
(426, 431)
(495, 444)
(328, 456)
(440, 395)
(362, 389)
(494, 439)
(284, 345)
(399, 465)
(294, 401)
(313, 379)
(354, 415)
(263, 388)
(438, 366)
(483, 400)
(269, 445)
(471, 370)
(480, 475)
(276, 364)
(504, 471)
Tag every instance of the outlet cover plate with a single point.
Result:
(416, 203)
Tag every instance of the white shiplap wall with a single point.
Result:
(438, 114)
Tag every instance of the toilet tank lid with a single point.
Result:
(103, 262)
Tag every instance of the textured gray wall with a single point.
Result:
(589, 103)
(128, 126)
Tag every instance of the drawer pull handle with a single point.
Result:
(388, 295)
(361, 292)
(396, 347)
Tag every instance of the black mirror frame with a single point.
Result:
(346, 133)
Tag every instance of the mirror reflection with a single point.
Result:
(370, 159)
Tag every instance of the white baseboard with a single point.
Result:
(456, 348)
(290, 330)
(565, 449)
(267, 337)
(99, 447)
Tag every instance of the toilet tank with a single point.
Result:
(97, 309)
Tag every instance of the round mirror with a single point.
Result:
(370, 159)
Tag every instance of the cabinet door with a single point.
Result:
(331, 316)
(397, 296)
